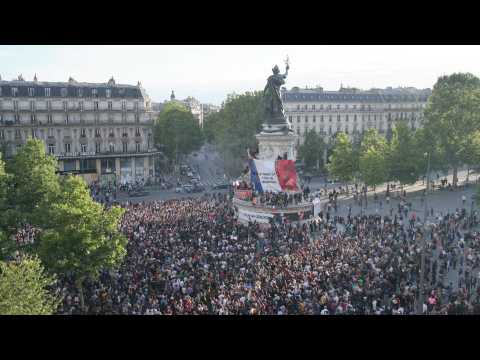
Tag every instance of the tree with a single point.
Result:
(373, 161)
(344, 160)
(31, 180)
(311, 151)
(176, 131)
(404, 159)
(451, 115)
(79, 236)
(234, 127)
(24, 288)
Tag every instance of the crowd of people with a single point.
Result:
(192, 257)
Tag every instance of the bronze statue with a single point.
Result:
(274, 112)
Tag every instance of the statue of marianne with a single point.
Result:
(274, 112)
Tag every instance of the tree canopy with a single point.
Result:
(176, 131)
(311, 151)
(404, 159)
(344, 159)
(452, 115)
(234, 127)
(24, 288)
(373, 159)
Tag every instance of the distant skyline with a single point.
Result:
(209, 73)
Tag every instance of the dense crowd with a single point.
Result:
(192, 257)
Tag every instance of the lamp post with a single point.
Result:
(424, 239)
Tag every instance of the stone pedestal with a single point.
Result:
(272, 145)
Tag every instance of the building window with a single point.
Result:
(110, 105)
(298, 107)
(321, 118)
(2, 134)
(18, 135)
(50, 132)
(306, 119)
(290, 118)
(32, 105)
(330, 118)
(47, 92)
(298, 119)
(83, 132)
(109, 93)
(330, 130)
(63, 92)
(137, 131)
(66, 119)
(67, 147)
(137, 118)
(136, 105)
(80, 92)
(83, 148)
(33, 118)
(14, 91)
(94, 93)
(346, 106)
(125, 147)
(49, 119)
(338, 107)
(355, 117)
(313, 107)
(95, 106)
(346, 118)
(97, 132)
(15, 105)
(321, 106)
(111, 147)
(97, 147)
(111, 133)
(314, 118)
(298, 131)
(31, 92)
(65, 106)
(338, 117)
(51, 149)
(16, 117)
(80, 105)
(124, 105)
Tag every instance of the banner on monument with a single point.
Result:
(254, 216)
(264, 175)
(287, 175)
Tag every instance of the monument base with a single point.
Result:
(277, 144)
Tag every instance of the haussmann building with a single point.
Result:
(101, 131)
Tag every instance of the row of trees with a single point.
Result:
(450, 137)
(76, 235)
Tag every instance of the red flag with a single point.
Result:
(287, 175)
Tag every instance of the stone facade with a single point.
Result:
(101, 131)
(351, 110)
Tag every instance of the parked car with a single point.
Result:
(178, 189)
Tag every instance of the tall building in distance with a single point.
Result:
(102, 131)
(352, 111)
(199, 110)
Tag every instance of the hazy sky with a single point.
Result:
(209, 73)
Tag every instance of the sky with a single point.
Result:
(211, 72)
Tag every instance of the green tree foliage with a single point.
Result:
(311, 151)
(344, 159)
(373, 159)
(404, 160)
(234, 127)
(79, 235)
(24, 288)
(31, 180)
(176, 131)
(452, 115)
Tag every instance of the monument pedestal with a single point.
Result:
(272, 145)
